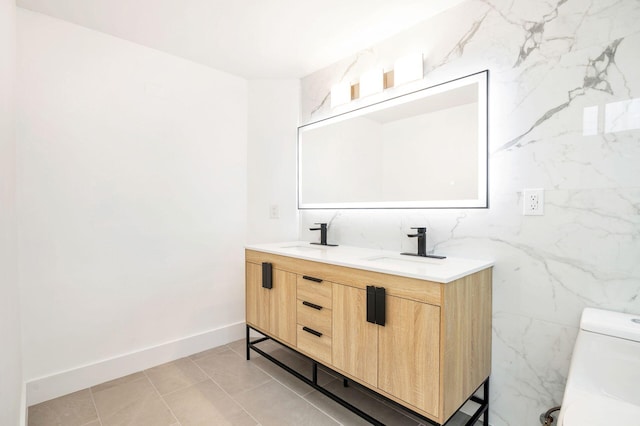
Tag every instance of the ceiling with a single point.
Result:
(254, 39)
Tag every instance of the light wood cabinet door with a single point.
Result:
(355, 341)
(409, 353)
(272, 310)
(258, 299)
(282, 318)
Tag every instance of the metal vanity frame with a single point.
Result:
(482, 410)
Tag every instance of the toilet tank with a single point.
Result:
(604, 377)
(614, 324)
(606, 357)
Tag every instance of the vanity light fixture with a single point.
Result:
(408, 68)
(371, 82)
(341, 94)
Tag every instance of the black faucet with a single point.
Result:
(323, 235)
(422, 244)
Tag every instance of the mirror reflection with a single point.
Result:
(427, 149)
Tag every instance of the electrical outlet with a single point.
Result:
(274, 211)
(533, 202)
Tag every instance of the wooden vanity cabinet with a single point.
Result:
(431, 354)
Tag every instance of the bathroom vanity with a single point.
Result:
(414, 330)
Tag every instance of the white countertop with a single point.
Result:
(387, 262)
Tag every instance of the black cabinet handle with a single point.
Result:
(311, 305)
(267, 276)
(371, 304)
(376, 305)
(315, 280)
(312, 331)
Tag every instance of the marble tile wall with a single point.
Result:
(557, 70)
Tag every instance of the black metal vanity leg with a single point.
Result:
(345, 383)
(315, 373)
(247, 343)
(485, 420)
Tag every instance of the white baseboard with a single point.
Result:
(58, 384)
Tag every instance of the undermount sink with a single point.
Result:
(386, 260)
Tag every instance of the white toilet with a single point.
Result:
(603, 388)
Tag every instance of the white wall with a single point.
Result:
(10, 344)
(548, 61)
(271, 163)
(132, 205)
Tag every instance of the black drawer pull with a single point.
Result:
(312, 305)
(312, 331)
(315, 280)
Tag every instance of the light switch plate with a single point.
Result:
(274, 211)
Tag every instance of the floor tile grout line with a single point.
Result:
(140, 379)
(178, 389)
(186, 387)
(241, 357)
(162, 399)
(225, 392)
(95, 407)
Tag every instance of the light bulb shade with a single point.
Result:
(340, 94)
(371, 82)
(408, 68)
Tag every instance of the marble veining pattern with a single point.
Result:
(548, 61)
(595, 78)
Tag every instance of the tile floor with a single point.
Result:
(218, 387)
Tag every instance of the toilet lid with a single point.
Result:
(601, 411)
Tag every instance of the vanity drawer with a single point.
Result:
(319, 320)
(318, 293)
(317, 346)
